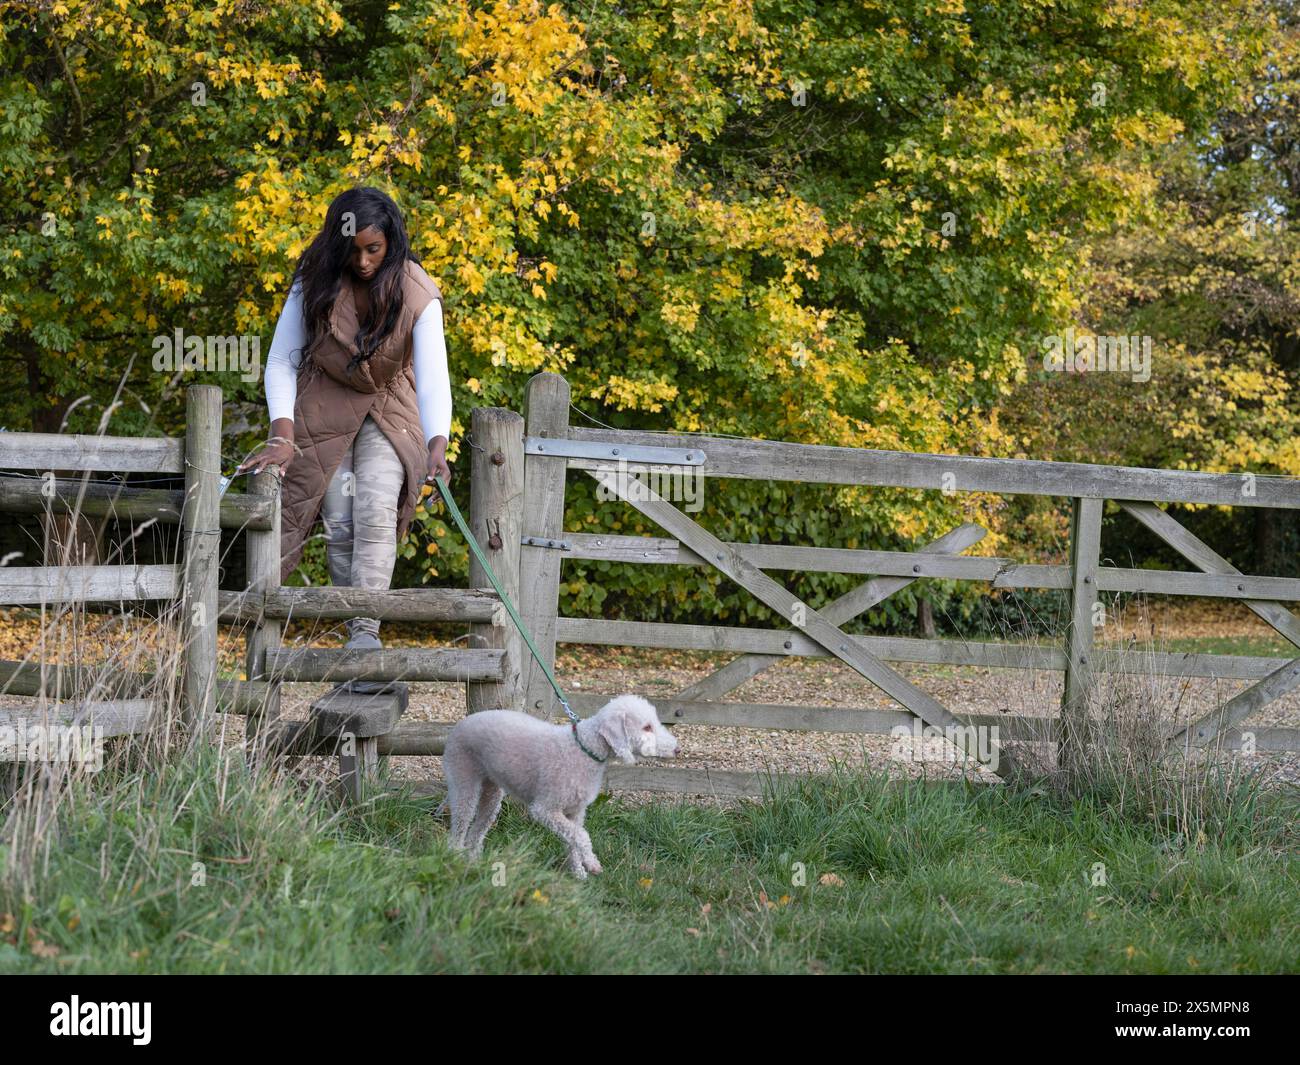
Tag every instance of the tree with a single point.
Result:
(834, 223)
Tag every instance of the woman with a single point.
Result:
(359, 397)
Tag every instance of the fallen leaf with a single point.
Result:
(39, 947)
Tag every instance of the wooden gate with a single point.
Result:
(552, 447)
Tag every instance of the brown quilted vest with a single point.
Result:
(332, 403)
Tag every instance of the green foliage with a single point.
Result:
(1209, 275)
(836, 223)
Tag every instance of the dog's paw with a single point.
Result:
(593, 866)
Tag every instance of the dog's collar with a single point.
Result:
(578, 740)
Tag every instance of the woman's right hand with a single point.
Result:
(272, 454)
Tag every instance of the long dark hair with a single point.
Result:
(323, 266)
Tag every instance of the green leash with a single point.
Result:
(463, 526)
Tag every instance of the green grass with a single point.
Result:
(896, 878)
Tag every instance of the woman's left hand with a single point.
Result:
(438, 460)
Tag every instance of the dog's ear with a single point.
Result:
(613, 730)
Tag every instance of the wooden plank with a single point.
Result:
(390, 663)
(937, 652)
(1155, 582)
(1263, 739)
(124, 502)
(496, 491)
(1080, 671)
(262, 578)
(66, 682)
(107, 454)
(773, 595)
(341, 711)
(843, 609)
(255, 697)
(117, 717)
(1000, 572)
(71, 584)
(675, 710)
(547, 415)
(201, 540)
(416, 738)
(774, 642)
(1203, 557)
(391, 604)
(817, 463)
(664, 551)
(1225, 586)
(419, 738)
(249, 511)
(358, 768)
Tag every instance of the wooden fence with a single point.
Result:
(518, 470)
(358, 729)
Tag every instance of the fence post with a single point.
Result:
(201, 542)
(1085, 549)
(546, 415)
(496, 492)
(262, 575)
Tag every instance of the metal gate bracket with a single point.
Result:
(588, 449)
(541, 541)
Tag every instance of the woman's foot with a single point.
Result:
(365, 641)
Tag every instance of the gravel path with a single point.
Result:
(808, 682)
(826, 682)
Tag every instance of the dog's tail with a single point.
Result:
(442, 809)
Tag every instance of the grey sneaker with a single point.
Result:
(365, 641)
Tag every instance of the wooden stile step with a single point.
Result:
(363, 716)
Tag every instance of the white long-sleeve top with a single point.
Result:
(432, 381)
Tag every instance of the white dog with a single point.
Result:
(556, 771)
